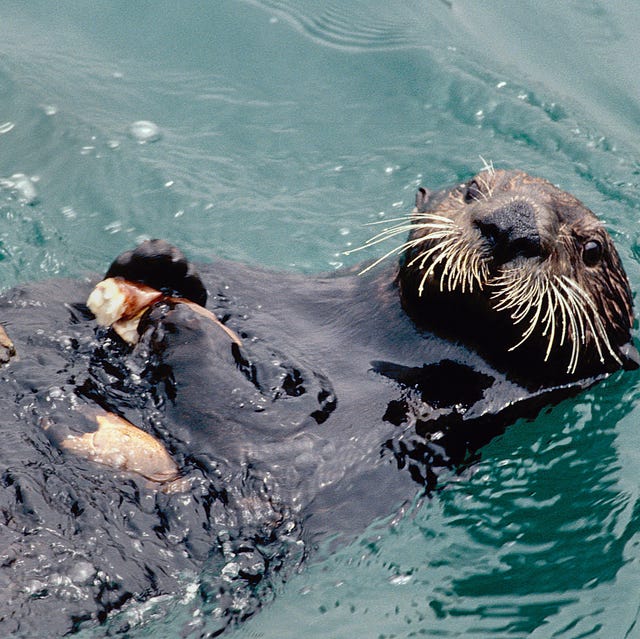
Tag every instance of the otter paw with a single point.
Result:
(162, 266)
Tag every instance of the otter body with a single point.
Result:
(321, 404)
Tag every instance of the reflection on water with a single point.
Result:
(285, 126)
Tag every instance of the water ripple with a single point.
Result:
(353, 28)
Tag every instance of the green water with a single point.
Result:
(286, 125)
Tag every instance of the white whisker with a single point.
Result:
(557, 309)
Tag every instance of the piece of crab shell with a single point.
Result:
(206, 313)
(7, 349)
(119, 303)
(128, 329)
(119, 445)
(116, 299)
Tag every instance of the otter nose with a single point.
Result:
(511, 231)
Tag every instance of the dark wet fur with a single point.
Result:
(337, 410)
(321, 394)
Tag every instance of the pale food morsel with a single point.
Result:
(120, 304)
(120, 445)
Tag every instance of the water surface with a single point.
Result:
(286, 126)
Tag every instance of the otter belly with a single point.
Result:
(305, 422)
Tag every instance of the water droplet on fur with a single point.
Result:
(82, 572)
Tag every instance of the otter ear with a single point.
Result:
(421, 197)
(630, 357)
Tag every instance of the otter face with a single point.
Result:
(519, 253)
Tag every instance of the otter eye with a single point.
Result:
(473, 192)
(591, 252)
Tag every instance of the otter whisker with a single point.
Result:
(444, 255)
(532, 324)
(463, 263)
(438, 229)
(486, 185)
(574, 302)
(410, 224)
(527, 297)
(450, 254)
(563, 313)
(435, 222)
(580, 319)
(422, 257)
(471, 267)
(540, 300)
(516, 292)
(464, 271)
(414, 220)
(594, 321)
(523, 298)
(414, 215)
(395, 251)
(392, 232)
(567, 313)
(456, 273)
(403, 247)
(487, 166)
(550, 321)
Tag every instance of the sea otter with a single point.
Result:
(292, 409)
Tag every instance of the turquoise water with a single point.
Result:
(285, 126)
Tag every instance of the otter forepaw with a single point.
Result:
(161, 266)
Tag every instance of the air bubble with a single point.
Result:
(22, 185)
(144, 131)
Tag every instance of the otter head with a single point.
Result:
(525, 270)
